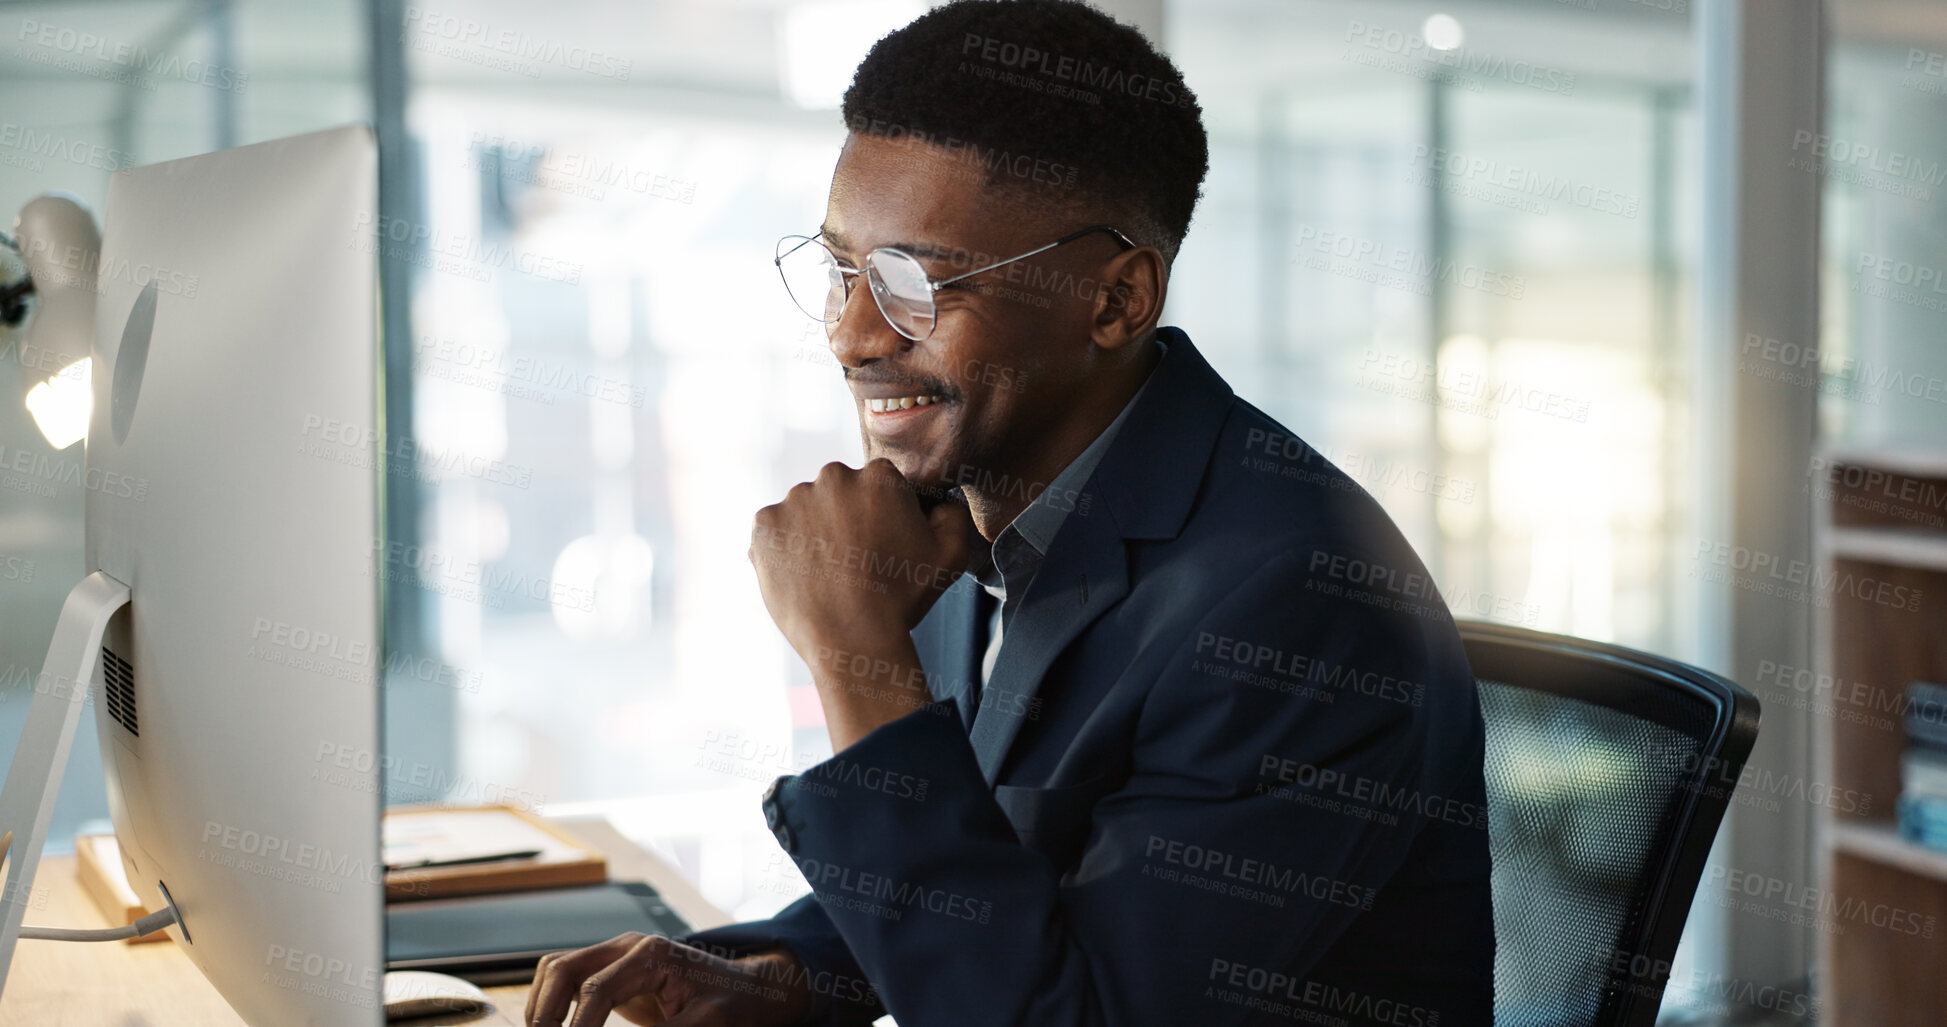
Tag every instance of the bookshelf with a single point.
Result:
(1882, 528)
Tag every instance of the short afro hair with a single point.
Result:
(1049, 98)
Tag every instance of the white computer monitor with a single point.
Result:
(234, 459)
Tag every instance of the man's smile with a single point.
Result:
(897, 407)
(892, 403)
(889, 417)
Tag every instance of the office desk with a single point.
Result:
(64, 984)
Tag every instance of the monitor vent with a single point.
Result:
(119, 692)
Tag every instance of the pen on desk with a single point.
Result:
(492, 857)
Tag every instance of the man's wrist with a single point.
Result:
(785, 982)
(866, 680)
(838, 647)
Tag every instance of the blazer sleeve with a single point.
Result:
(1201, 879)
(840, 994)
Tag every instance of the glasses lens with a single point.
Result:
(903, 291)
(812, 277)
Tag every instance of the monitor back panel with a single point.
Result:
(233, 458)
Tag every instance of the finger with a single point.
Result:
(665, 982)
(642, 969)
(551, 995)
(594, 1000)
(540, 974)
(953, 525)
(881, 471)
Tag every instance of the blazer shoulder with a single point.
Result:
(1269, 496)
(1268, 484)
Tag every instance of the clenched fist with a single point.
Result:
(848, 564)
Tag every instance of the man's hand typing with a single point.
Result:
(649, 979)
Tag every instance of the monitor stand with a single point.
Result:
(34, 779)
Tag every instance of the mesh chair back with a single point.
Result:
(1608, 771)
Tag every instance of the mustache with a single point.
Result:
(918, 383)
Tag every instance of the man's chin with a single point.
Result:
(925, 471)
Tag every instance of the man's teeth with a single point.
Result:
(880, 406)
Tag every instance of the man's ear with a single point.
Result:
(1130, 300)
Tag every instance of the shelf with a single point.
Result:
(1884, 507)
(1901, 547)
(1881, 843)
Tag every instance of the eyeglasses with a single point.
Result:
(820, 285)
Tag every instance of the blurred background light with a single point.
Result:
(60, 405)
(1442, 32)
(821, 43)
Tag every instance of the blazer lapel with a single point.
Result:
(951, 639)
(1085, 573)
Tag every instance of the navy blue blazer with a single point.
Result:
(1227, 769)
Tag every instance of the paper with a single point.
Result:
(453, 835)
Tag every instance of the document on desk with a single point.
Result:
(430, 852)
(466, 836)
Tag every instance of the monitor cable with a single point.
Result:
(160, 919)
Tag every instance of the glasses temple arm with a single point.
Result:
(937, 286)
(1063, 241)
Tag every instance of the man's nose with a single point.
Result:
(862, 333)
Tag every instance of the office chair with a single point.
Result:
(1608, 771)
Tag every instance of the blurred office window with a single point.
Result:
(1883, 160)
(1450, 269)
(91, 88)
